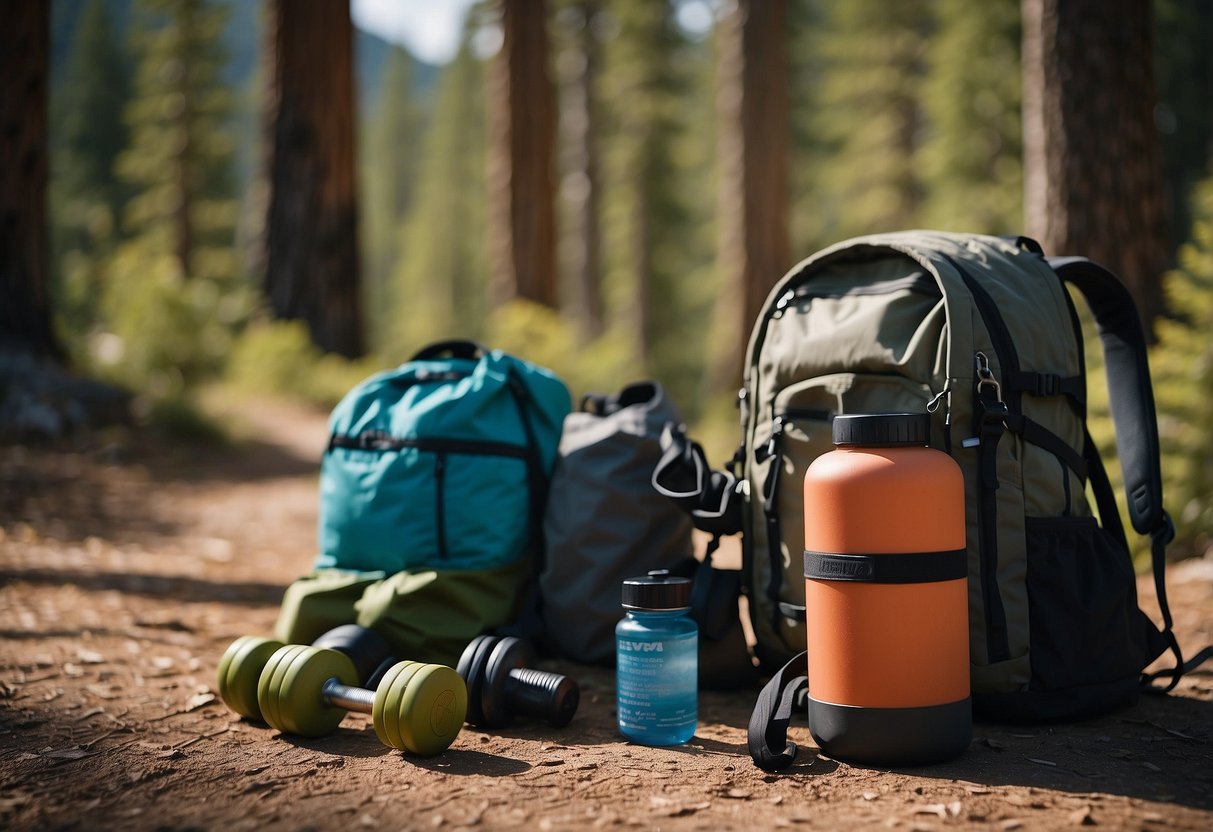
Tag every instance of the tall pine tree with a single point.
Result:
(91, 132)
(181, 154)
(312, 264)
(390, 159)
(869, 116)
(439, 288)
(645, 215)
(970, 159)
(86, 198)
(172, 293)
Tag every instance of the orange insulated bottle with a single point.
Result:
(886, 595)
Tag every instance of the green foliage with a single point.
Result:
(541, 336)
(85, 199)
(870, 116)
(161, 331)
(1182, 367)
(181, 153)
(390, 161)
(166, 303)
(278, 357)
(658, 200)
(438, 288)
(970, 160)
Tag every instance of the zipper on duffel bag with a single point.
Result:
(377, 440)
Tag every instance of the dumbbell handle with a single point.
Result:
(359, 700)
(532, 692)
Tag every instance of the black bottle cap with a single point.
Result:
(882, 430)
(657, 590)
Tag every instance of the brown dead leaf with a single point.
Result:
(200, 700)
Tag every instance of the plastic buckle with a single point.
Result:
(1048, 384)
(1166, 530)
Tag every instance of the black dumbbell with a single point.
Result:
(242, 663)
(502, 683)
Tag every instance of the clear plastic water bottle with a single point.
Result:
(657, 661)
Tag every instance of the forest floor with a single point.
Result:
(127, 566)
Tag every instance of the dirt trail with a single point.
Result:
(126, 569)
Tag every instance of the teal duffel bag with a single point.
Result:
(441, 463)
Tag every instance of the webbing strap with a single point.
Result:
(767, 736)
(1040, 436)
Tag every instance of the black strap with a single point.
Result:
(1047, 384)
(899, 568)
(1129, 389)
(1101, 487)
(1176, 673)
(991, 414)
(683, 476)
(768, 729)
(1131, 397)
(1040, 436)
(456, 348)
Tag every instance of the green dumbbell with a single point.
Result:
(415, 707)
(241, 666)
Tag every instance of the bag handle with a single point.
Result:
(768, 731)
(455, 348)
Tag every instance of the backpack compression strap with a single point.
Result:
(1132, 402)
(768, 733)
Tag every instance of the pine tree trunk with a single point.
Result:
(579, 115)
(1093, 181)
(312, 266)
(523, 135)
(25, 308)
(753, 150)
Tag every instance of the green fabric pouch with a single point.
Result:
(428, 615)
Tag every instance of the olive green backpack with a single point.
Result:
(981, 333)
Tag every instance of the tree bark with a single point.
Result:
(1093, 182)
(523, 137)
(312, 264)
(25, 306)
(754, 143)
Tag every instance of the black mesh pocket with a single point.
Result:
(1086, 629)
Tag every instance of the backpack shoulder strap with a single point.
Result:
(1131, 398)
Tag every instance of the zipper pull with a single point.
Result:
(933, 404)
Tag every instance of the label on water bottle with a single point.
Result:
(657, 682)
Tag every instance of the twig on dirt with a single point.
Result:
(164, 716)
(107, 735)
(197, 737)
(1165, 729)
